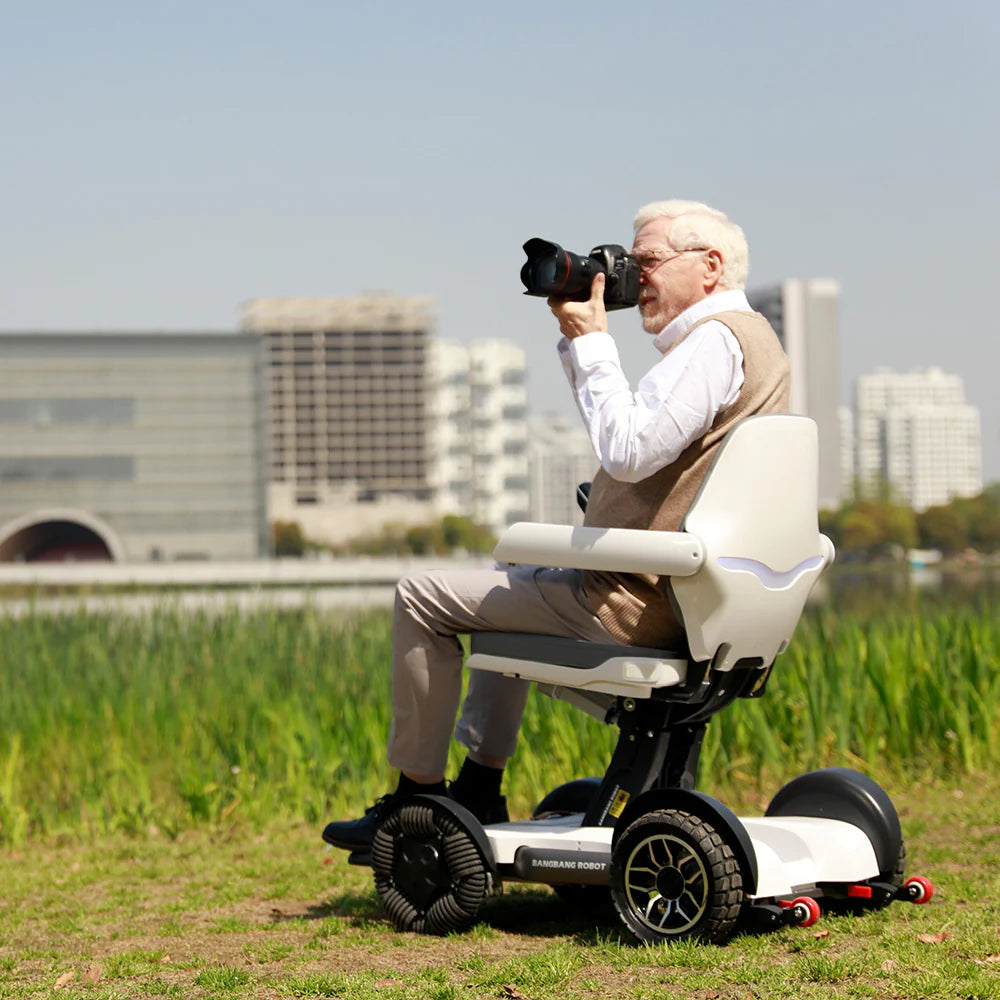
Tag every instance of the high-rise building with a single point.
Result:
(349, 398)
(804, 316)
(132, 447)
(561, 457)
(916, 432)
(348, 383)
(480, 431)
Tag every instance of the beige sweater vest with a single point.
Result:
(636, 609)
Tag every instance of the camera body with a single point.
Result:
(552, 271)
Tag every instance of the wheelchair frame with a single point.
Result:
(677, 863)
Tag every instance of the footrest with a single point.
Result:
(605, 667)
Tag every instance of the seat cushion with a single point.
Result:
(560, 651)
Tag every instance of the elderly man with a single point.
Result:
(720, 362)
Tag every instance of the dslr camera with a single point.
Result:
(552, 271)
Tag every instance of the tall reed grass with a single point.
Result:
(178, 719)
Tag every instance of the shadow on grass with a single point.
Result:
(359, 907)
(523, 911)
(530, 911)
(539, 912)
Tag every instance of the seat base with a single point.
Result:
(607, 668)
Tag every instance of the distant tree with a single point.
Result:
(859, 530)
(390, 541)
(423, 539)
(873, 521)
(899, 524)
(986, 536)
(942, 527)
(288, 538)
(452, 533)
(870, 527)
(981, 515)
(461, 533)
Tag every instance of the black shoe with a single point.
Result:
(487, 811)
(358, 834)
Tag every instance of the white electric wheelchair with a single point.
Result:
(677, 863)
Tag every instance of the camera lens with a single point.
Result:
(545, 273)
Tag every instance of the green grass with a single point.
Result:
(120, 724)
(177, 721)
(279, 915)
(916, 692)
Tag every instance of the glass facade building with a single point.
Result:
(132, 447)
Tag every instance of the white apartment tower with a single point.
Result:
(916, 432)
(804, 315)
(561, 457)
(480, 436)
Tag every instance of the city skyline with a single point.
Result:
(168, 165)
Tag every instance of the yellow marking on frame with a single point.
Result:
(619, 803)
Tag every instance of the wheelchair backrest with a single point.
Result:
(756, 517)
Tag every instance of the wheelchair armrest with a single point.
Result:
(621, 550)
(829, 552)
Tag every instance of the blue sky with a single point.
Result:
(164, 163)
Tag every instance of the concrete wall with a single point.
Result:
(157, 438)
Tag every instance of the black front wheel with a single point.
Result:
(430, 872)
(674, 877)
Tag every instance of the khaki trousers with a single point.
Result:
(432, 609)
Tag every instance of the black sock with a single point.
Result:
(477, 782)
(407, 787)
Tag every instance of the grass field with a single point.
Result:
(173, 721)
(230, 913)
(163, 781)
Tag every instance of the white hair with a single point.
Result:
(699, 227)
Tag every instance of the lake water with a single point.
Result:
(861, 590)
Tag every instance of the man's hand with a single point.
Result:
(578, 318)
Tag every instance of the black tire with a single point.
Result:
(429, 872)
(571, 797)
(674, 877)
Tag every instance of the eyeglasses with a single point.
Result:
(650, 260)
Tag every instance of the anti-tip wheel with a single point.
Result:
(806, 911)
(919, 889)
(674, 877)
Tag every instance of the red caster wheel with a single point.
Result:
(919, 889)
(806, 911)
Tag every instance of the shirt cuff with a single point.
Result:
(593, 348)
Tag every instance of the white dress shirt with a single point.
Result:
(635, 434)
